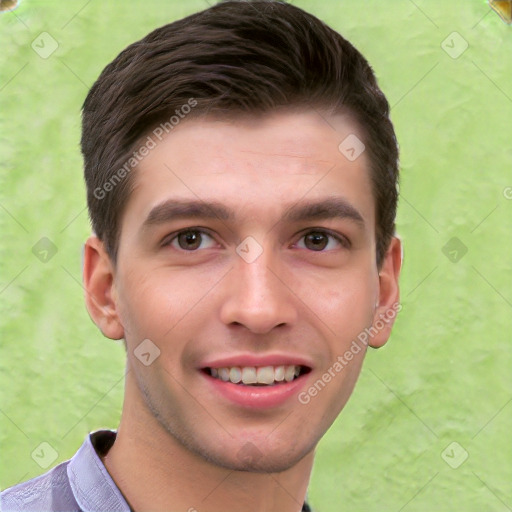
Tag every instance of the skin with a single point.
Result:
(186, 441)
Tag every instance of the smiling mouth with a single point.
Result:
(258, 375)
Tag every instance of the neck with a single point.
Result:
(156, 472)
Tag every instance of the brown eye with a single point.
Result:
(323, 241)
(191, 240)
(316, 241)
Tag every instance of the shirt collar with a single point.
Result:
(90, 481)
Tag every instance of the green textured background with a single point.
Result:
(445, 375)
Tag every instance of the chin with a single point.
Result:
(275, 463)
(250, 458)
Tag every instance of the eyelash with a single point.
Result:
(344, 242)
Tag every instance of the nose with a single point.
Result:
(258, 295)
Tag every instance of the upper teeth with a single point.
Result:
(256, 375)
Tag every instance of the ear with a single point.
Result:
(388, 302)
(100, 293)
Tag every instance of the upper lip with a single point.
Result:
(244, 360)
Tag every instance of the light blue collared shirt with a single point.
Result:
(80, 484)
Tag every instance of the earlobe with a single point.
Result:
(388, 304)
(100, 295)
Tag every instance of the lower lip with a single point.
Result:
(256, 397)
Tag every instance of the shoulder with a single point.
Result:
(50, 491)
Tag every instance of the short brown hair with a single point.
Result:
(235, 58)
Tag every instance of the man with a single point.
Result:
(241, 173)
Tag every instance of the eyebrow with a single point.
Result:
(328, 208)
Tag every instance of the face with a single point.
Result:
(247, 251)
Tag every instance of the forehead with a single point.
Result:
(262, 163)
(301, 141)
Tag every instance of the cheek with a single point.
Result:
(345, 305)
(147, 308)
(157, 304)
